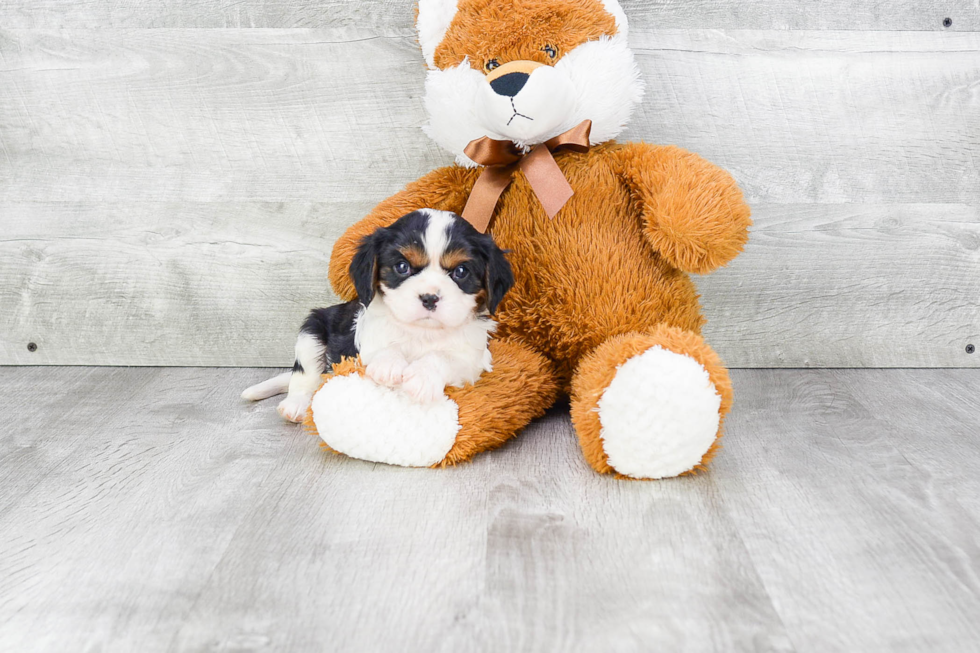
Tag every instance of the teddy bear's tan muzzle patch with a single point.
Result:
(519, 66)
(509, 79)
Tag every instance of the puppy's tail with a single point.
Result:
(274, 386)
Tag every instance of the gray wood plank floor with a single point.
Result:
(151, 510)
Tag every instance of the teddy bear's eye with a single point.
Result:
(550, 50)
(491, 64)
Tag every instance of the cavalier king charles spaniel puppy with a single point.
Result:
(426, 288)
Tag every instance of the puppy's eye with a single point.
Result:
(550, 50)
(491, 64)
(460, 272)
(402, 268)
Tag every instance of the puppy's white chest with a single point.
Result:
(464, 346)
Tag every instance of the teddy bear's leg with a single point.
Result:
(650, 404)
(521, 387)
(355, 416)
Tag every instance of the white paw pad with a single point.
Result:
(421, 386)
(659, 415)
(293, 407)
(387, 371)
(362, 419)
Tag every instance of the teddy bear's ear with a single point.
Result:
(433, 20)
(612, 6)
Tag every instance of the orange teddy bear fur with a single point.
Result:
(603, 281)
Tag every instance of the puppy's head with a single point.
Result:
(431, 268)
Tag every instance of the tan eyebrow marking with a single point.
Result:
(452, 258)
(415, 256)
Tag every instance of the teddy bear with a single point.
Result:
(602, 236)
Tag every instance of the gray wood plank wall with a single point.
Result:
(169, 196)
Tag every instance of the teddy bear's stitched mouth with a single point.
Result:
(516, 113)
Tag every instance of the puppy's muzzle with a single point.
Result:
(509, 79)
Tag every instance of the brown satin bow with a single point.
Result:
(502, 158)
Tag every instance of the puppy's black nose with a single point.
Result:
(509, 84)
(429, 301)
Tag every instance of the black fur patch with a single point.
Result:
(334, 328)
(406, 232)
(378, 254)
(488, 267)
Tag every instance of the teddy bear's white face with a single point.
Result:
(525, 70)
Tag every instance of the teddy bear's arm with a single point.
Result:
(444, 188)
(692, 210)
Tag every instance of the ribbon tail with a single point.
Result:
(546, 179)
(483, 198)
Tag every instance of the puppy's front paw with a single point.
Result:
(293, 407)
(386, 370)
(421, 385)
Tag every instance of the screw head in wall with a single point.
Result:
(947, 22)
(970, 349)
(32, 347)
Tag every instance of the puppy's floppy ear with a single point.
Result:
(498, 277)
(364, 266)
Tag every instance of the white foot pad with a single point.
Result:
(361, 419)
(293, 407)
(659, 415)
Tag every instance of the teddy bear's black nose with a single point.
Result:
(509, 84)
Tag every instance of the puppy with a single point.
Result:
(426, 288)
